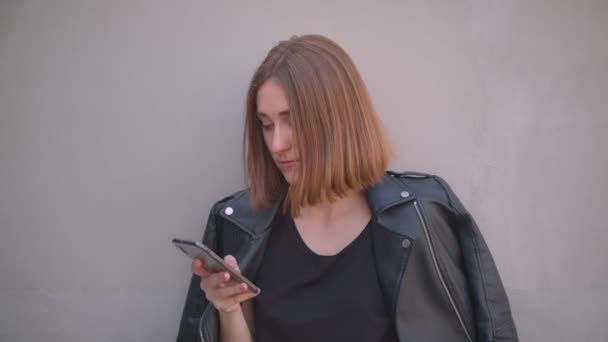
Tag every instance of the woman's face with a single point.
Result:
(273, 113)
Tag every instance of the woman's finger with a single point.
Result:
(229, 302)
(225, 292)
(198, 268)
(230, 260)
(214, 280)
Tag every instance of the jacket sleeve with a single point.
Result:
(493, 318)
(195, 299)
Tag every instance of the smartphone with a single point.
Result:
(214, 263)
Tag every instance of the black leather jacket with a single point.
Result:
(436, 273)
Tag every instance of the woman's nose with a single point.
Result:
(281, 140)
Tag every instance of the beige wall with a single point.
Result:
(120, 124)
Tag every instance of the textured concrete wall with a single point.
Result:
(120, 124)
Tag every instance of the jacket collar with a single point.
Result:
(385, 194)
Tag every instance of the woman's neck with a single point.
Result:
(325, 213)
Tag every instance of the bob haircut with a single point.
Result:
(338, 137)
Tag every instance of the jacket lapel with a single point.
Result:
(392, 245)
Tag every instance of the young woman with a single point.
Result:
(341, 249)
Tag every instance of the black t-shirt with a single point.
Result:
(308, 297)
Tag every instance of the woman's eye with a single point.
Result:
(266, 126)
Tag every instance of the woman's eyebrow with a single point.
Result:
(283, 112)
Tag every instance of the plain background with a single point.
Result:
(121, 124)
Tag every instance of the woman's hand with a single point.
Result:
(223, 292)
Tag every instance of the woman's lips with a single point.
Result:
(286, 164)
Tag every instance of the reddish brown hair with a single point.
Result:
(338, 136)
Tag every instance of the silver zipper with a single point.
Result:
(200, 323)
(439, 274)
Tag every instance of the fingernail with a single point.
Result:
(226, 276)
(243, 287)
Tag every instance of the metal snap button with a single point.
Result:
(405, 194)
(229, 211)
(406, 243)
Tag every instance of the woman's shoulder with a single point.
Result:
(230, 202)
(418, 185)
(237, 208)
(424, 186)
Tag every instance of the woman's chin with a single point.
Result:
(289, 177)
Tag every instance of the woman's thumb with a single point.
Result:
(230, 260)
